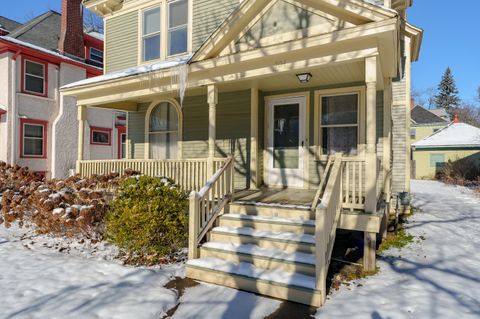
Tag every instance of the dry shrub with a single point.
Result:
(69, 207)
(464, 171)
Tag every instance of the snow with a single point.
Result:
(255, 250)
(146, 68)
(247, 231)
(214, 302)
(453, 135)
(96, 35)
(38, 48)
(271, 219)
(248, 270)
(438, 277)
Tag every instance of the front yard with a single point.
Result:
(437, 276)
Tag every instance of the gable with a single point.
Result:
(42, 31)
(258, 23)
(284, 20)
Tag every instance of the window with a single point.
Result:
(151, 34)
(123, 145)
(163, 131)
(413, 133)
(165, 30)
(339, 124)
(96, 55)
(177, 27)
(34, 77)
(437, 160)
(33, 138)
(100, 136)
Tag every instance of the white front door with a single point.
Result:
(286, 138)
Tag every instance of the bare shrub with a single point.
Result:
(464, 171)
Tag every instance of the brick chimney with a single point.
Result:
(71, 30)
(456, 119)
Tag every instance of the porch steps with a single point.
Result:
(274, 224)
(299, 262)
(286, 241)
(265, 249)
(245, 276)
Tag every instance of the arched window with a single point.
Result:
(163, 131)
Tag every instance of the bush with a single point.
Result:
(460, 171)
(148, 217)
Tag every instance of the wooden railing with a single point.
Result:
(207, 204)
(189, 174)
(327, 214)
(353, 193)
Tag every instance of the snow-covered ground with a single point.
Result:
(437, 276)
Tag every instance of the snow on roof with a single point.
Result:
(96, 35)
(156, 66)
(36, 47)
(454, 135)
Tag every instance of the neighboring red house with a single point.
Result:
(38, 126)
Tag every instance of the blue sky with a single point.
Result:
(453, 42)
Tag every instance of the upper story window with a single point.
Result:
(177, 27)
(96, 55)
(165, 32)
(35, 77)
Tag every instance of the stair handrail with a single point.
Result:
(327, 215)
(322, 184)
(207, 204)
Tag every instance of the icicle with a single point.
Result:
(180, 77)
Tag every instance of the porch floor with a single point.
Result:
(280, 196)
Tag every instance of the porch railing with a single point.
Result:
(189, 174)
(353, 180)
(327, 215)
(207, 204)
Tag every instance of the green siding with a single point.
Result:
(121, 42)
(136, 132)
(233, 130)
(207, 17)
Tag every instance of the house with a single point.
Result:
(287, 119)
(454, 142)
(424, 123)
(38, 127)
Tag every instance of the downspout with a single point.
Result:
(14, 115)
(56, 117)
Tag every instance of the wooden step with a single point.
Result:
(260, 257)
(274, 224)
(274, 283)
(288, 242)
(272, 210)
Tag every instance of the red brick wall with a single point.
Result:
(71, 35)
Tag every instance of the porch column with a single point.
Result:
(254, 173)
(82, 116)
(212, 97)
(387, 137)
(370, 156)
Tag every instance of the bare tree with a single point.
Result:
(92, 22)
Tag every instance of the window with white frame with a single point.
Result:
(165, 32)
(151, 34)
(163, 131)
(33, 140)
(123, 145)
(100, 136)
(34, 77)
(177, 27)
(96, 55)
(339, 124)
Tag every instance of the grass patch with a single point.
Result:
(399, 240)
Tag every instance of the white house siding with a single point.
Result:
(60, 113)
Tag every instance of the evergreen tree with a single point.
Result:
(447, 95)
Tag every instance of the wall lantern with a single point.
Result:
(304, 77)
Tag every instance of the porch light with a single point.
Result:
(304, 77)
